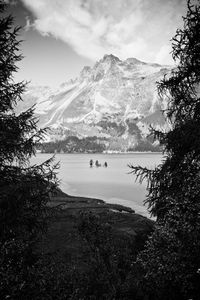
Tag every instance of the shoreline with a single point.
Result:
(63, 236)
(102, 153)
(65, 201)
(78, 202)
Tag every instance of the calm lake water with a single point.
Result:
(112, 184)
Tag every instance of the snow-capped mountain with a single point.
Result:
(113, 101)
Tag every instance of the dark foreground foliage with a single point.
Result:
(24, 189)
(101, 267)
(170, 263)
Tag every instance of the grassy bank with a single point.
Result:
(63, 237)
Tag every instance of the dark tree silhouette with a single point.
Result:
(170, 263)
(24, 189)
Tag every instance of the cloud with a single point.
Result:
(125, 28)
(163, 54)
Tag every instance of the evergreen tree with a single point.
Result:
(170, 263)
(24, 189)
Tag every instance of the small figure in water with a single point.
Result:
(105, 164)
(91, 163)
(97, 164)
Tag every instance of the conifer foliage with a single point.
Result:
(24, 189)
(170, 263)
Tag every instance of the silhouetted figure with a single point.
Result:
(97, 164)
(91, 163)
(105, 164)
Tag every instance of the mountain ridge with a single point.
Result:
(108, 101)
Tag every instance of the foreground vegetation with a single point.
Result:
(170, 263)
(91, 250)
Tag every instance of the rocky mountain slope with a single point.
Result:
(115, 101)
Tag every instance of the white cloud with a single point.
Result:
(163, 56)
(126, 28)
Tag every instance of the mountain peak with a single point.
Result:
(111, 58)
(104, 65)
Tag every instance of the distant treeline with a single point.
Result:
(73, 144)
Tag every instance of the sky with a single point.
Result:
(60, 37)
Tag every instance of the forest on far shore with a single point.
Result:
(73, 144)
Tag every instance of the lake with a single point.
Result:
(113, 184)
